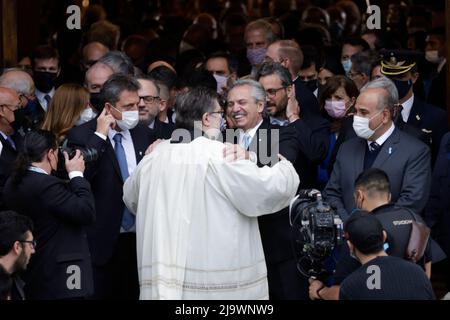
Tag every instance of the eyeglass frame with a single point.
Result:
(32, 242)
(274, 92)
(222, 113)
(154, 98)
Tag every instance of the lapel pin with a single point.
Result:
(417, 117)
(140, 153)
(390, 150)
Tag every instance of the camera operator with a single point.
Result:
(372, 194)
(60, 211)
(380, 277)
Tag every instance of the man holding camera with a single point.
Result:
(121, 143)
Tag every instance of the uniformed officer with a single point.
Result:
(401, 67)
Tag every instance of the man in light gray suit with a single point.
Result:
(405, 159)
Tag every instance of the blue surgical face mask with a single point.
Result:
(347, 65)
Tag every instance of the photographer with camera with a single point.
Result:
(372, 194)
(60, 211)
(380, 276)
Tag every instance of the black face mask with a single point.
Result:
(96, 101)
(19, 117)
(44, 81)
(311, 84)
(402, 87)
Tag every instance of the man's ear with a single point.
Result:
(205, 120)
(233, 76)
(350, 245)
(384, 236)
(2, 111)
(415, 76)
(286, 63)
(389, 197)
(260, 105)
(289, 91)
(162, 105)
(17, 247)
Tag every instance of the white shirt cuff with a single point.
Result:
(73, 174)
(101, 135)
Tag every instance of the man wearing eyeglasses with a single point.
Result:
(9, 103)
(17, 245)
(150, 105)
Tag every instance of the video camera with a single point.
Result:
(317, 230)
(89, 154)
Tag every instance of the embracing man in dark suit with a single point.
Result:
(405, 159)
(121, 143)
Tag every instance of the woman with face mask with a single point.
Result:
(336, 101)
(69, 107)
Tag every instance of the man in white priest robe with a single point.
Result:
(196, 212)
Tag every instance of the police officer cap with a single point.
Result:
(398, 62)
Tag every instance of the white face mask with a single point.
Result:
(221, 82)
(361, 126)
(129, 120)
(86, 115)
(432, 56)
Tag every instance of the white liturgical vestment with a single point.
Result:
(196, 226)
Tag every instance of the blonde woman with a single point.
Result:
(69, 107)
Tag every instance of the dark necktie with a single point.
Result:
(11, 142)
(374, 147)
(128, 217)
(48, 99)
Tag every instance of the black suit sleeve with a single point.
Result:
(73, 202)
(313, 140)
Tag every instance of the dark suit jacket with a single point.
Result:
(107, 185)
(60, 212)
(307, 100)
(313, 142)
(437, 211)
(162, 130)
(275, 228)
(7, 158)
(429, 119)
(438, 90)
(406, 161)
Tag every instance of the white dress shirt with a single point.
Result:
(407, 106)
(250, 132)
(41, 98)
(382, 139)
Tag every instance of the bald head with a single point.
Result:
(92, 52)
(9, 102)
(96, 76)
(159, 63)
(17, 80)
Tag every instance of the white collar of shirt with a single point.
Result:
(41, 97)
(128, 147)
(3, 135)
(279, 122)
(316, 92)
(152, 124)
(125, 135)
(441, 65)
(384, 137)
(250, 132)
(38, 170)
(407, 106)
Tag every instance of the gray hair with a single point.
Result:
(119, 62)
(258, 92)
(115, 85)
(261, 24)
(193, 104)
(388, 100)
(22, 85)
(362, 62)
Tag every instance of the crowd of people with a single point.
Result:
(158, 160)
